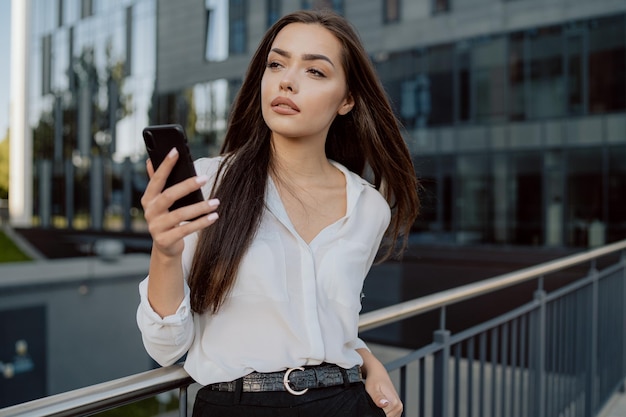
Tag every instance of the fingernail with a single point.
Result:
(212, 216)
(214, 202)
(202, 179)
(172, 153)
(384, 402)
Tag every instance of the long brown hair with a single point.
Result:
(367, 138)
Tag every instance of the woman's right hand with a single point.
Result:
(169, 228)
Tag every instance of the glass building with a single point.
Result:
(515, 114)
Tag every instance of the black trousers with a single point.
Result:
(344, 401)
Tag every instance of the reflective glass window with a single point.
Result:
(607, 64)
(273, 11)
(391, 11)
(336, 5)
(216, 39)
(488, 60)
(237, 28)
(517, 61)
(546, 81)
(441, 6)
(407, 85)
(616, 185)
(60, 61)
(71, 11)
(473, 199)
(440, 85)
(585, 202)
(575, 70)
(46, 64)
(525, 198)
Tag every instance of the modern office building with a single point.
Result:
(514, 110)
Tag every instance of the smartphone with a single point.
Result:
(159, 140)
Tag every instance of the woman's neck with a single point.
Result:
(301, 161)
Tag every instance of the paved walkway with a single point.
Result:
(616, 407)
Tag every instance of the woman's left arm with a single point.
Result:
(378, 384)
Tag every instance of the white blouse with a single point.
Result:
(292, 303)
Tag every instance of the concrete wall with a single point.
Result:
(87, 328)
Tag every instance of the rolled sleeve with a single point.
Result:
(168, 338)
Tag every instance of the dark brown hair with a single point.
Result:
(367, 138)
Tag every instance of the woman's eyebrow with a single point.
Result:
(305, 57)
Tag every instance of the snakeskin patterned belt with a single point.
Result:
(296, 381)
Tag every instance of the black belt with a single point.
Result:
(296, 381)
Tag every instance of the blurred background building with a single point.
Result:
(514, 110)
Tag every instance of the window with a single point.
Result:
(473, 199)
(546, 82)
(524, 198)
(129, 41)
(607, 65)
(71, 11)
(585, 189)
(407, 84)
(616, 184)
(441, 6)
(273, 12)
(336, 5)
(574, 71)
(391, 11)
(488, 79)
(216, 40)
(237, 27)
(517, 76)
(60, 59)
(46, 65)
(86, 8)
(60, 13)
(441, 85)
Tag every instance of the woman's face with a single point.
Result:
(304, 85)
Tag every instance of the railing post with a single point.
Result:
(182, 401)
(441, 372)
(623, 266)
(539, 353)
(592, 389)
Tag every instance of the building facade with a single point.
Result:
(514, 110)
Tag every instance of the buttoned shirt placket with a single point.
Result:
(308, 272)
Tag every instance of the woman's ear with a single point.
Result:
(346, 106)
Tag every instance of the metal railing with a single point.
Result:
(561, 353)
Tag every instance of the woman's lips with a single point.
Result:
(283, 105)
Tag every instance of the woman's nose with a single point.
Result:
(287, 84)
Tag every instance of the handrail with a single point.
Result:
(421, 305)
(100, 397)
(146, 384)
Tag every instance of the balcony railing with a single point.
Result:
(563, 352)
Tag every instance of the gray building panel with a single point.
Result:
(89, 306)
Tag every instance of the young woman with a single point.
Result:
(264, 299)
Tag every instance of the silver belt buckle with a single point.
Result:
(286, 381)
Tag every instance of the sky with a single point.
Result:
(5, 64)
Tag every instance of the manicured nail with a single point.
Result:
(384, 402)
(212, 217)
(214, 202)
(172, 153)
(202, 179)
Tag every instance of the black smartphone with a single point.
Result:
(159, 140)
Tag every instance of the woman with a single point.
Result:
(264, 299)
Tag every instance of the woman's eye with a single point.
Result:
(317, 73)
(273, 64)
